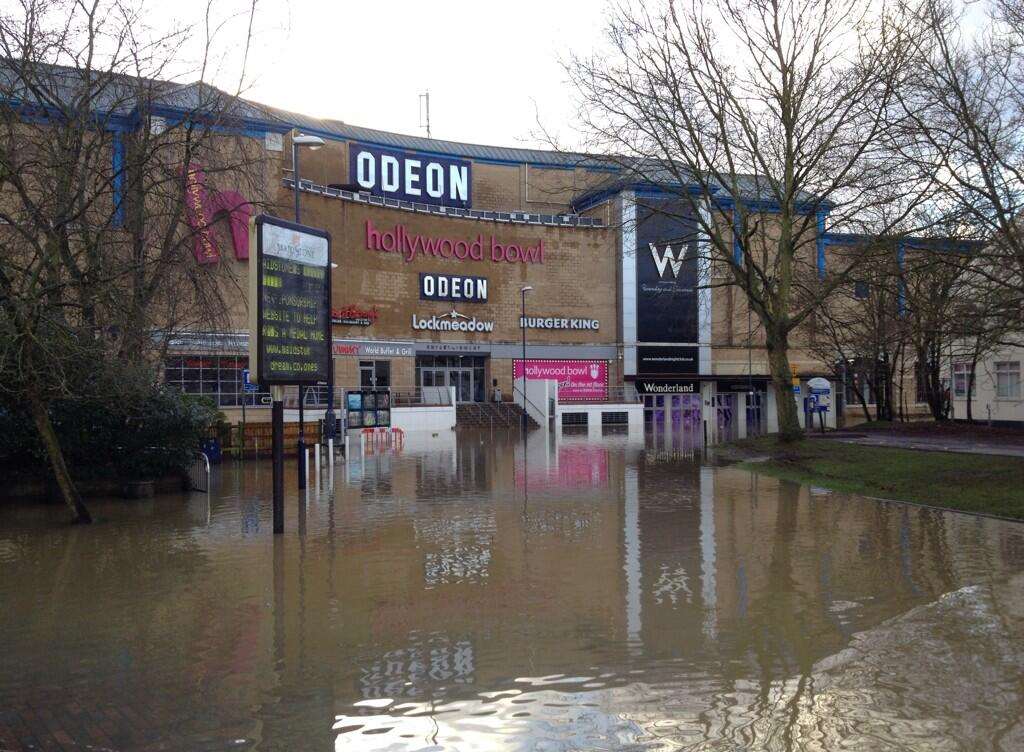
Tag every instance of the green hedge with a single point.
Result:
(144, 431)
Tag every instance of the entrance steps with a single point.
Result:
(491, 415)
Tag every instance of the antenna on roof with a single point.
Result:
(425, 111)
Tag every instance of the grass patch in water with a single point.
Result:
(966, 482)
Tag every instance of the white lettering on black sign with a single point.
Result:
(410, 177)
(454, 287)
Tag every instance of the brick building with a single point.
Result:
(434, 241)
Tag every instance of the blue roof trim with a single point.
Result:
(911, 243)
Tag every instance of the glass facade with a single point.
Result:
(216, 376)
(467, 373)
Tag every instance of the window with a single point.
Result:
(614, 418)
(574, 419)
(861, 290)
(1008, 379)
(218, 377)
(961, 371)
(374, 373)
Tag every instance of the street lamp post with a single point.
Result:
(314, 143)
(522, 324)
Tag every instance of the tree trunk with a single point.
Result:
(785, 404)
(970, 387)
(41, 417)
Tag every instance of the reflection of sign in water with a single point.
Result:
(577, 379)
(409, 670)
(291, 290)
(577, 467)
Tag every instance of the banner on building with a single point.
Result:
(667, 361)
(577, 379)
(666, 272)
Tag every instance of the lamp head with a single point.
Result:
(526, 289)
(313, 142)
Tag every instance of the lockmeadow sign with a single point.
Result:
(291, 286)
(453, 321)
(411, 177)
(453, 287)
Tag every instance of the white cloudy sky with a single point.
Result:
(490, 67)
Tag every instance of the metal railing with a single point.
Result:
(199, 473)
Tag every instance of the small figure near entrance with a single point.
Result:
(495, 391)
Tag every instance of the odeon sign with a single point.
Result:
(399, 240)
(410, 177)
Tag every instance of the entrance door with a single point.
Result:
(462, 380)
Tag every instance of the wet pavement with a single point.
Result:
(472, 593)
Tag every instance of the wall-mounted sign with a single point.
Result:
(549, 322)
(410, 177)
(741, 384)
(453, 287)
(453, 321)
(667, 361)
(668, 386)
(409, 245)
(291, 286)
(666, 272)
(203, 206)
(373, 349)
(354, 316)
(577, 379)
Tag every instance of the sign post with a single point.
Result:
(290, 319)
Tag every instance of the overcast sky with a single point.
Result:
(490, 67)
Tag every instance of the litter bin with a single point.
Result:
(211, 448)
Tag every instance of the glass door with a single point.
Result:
(462, 380)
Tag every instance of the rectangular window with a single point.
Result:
(217, 377)
(614, 418)
(1008, 379)
(960, 373)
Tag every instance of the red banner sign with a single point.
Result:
(577, 379)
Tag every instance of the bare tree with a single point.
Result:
(764, 118)
(964, 110)
(97, 155)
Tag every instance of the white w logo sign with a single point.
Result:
(669, 259)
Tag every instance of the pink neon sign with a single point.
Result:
(577, 379)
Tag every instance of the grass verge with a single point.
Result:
(965, 482)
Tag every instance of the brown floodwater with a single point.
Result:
(474, 593)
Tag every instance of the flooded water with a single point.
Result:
(474, 593)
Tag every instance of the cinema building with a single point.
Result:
(434, 243)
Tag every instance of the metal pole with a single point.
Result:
(277, 434)
(522, 325)
(295, 170)
(302, 438)
(301, 448)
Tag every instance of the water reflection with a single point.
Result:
(481, 592)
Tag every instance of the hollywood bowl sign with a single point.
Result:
(409, 245)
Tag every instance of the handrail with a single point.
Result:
(516, 389)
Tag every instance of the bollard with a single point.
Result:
(330, 452)
(305, 466)
(346, 448)
(316, 457)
